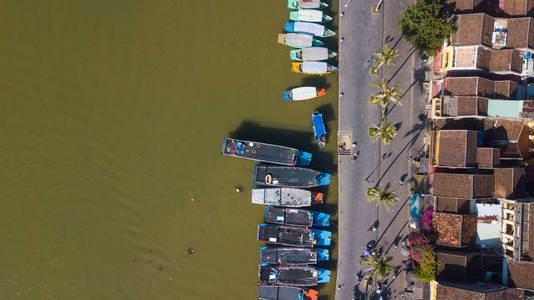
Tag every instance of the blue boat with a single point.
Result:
(295, 177)
(293, 275)
(293, 236)
(264, 152)
(293, 256)
(318, 129)
(317, 30)
(296, 217)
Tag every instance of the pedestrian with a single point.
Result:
(401, 181)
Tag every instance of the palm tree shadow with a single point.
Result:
(418, 127)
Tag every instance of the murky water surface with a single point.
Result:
(111, 123)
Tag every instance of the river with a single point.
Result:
(112, 119)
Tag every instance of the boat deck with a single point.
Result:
(284, 176)
(291, 275)
(286, 235)
(289, 216)
(283, 256)
(282, 197)
(277, 292)
(260, 152)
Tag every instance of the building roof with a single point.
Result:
(477, 291)
(467, 186)
(473, 29)
(457, 148)
(509, 182)
(479, 86)
(515, 8)
(455, 230)
(453, 205)
(459, 266)
(488, 158)
(456, 106)
(506, 60)
(506, 130)
(466, 6)
(520, 33)
(511, 136)
(521, 274)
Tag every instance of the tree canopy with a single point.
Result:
(426, 26)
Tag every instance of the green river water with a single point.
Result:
(112, 119)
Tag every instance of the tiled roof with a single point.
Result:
(467, 186)
(453, 205)
(508, 182)
(521, 274)
(459, 266)
(520, 33)
(455, 230)
(457, 148)
(478, 291)
(488, 158)
(473, 29)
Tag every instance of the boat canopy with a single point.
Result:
(315, 53)
(281, 196)
(310, 15)
(305, 92)
(277, 292)
(311, 28)
(318, 125)
(299, 39)
(309, 3)
(314, 67)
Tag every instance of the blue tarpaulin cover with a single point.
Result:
(318, 125)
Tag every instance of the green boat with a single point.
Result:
(311, 4)
(311, 54)
(309, 15)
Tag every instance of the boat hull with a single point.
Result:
(292, 275)
(299, 41)
(300, 16)
(264, 152)
(286, 235)
(300, 67)
(295, 55)
(294, 4)
(314, 29)
(295, 177)
(281, 292)
(293, 95)
(292, 256)
(319, 130)
(286, 197)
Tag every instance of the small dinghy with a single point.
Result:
(310, 4)
(312, 67)
(274, 154)
(282, 292)
(296, 217)
(292, 275)
(318, 129)
(298, 40)
(309, 15)
(287, 197)
(308, 28)
(293, 256)
(311, 54)
(295, 177)
(303, 93)
(293, 236)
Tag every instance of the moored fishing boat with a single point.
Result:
(311, 54)
(292, 275)
(274, 154)
(317, 30)
(313, 67)
(282, 292)
(303, 93)
(309, 15)
(300, 4)
(293, 236)
(319, 130)
(298, 40)
(287, 197)
(293, 256)
(296, 177)
(296, 217)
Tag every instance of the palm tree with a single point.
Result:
(385, 94)
(378, 196)
(380, 266)
(386, 57)
(383, 131)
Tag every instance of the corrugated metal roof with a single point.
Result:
(505, 108)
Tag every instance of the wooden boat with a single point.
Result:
(303, 93)
(317, 30)
(293, 236)
(295, 177)
(298, 40)
(319, 130)
(274, 154)
(293, 256)
(287, 197)
(282, 292)
(310, 4)
(309, 15)
(313, 67)
(296, 217)
(311, 54)
(292, 275)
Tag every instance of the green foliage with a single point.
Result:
(426, 26)
(380, 266)
(383, 131)
(385, 94)
(387, 57)
(423, 255)
(378, 196)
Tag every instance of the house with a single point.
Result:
(459, 266)
(465, 186)
(458, 149)
(517, 229)
(511, 8)
(454, 205)
(444, 290)
(455, 230)
(479, 86)
(521, 275)
(511, 136)
(483, 59)
(473, 107)
(509, 182)
(497, 33)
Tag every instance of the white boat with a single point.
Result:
(288, 197)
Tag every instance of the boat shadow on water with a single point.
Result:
(316, 81)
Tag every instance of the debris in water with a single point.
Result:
(191, 251)
(238, 189)
(171, 278)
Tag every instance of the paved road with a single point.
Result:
(363, 33)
